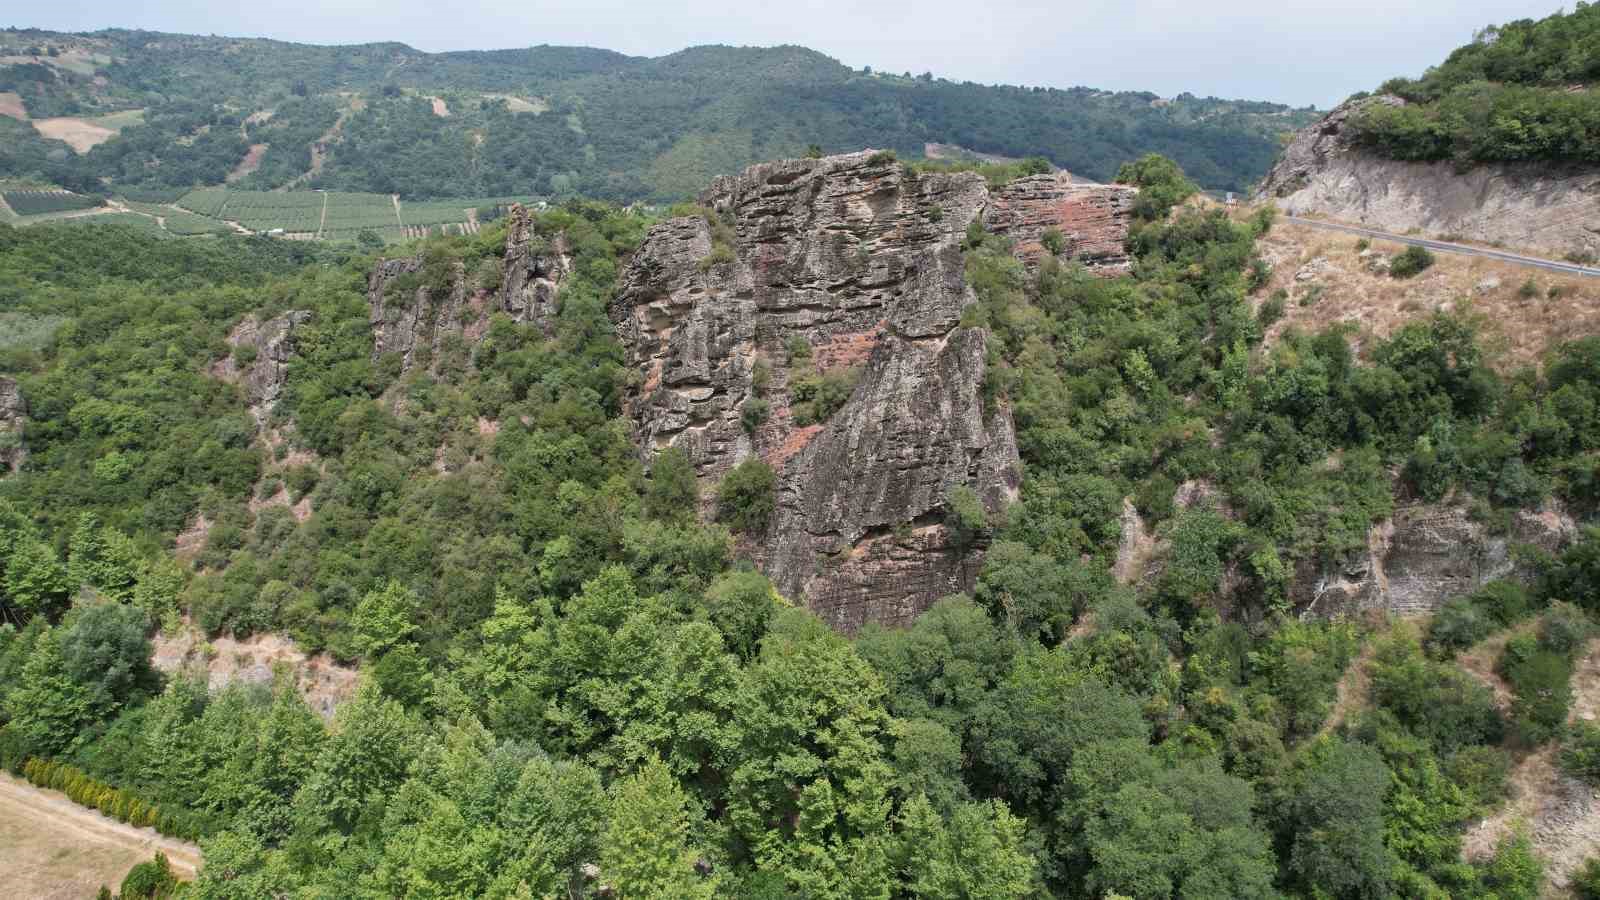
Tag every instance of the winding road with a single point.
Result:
(1566, 268)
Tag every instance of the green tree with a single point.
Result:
(745, 497)
(35, 580)
(647, 850)
(672, 494)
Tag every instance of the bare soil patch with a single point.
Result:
(79, 134)
(11, 105)
(250, 163)
(322, 681)
(440, 108)
(54, 849)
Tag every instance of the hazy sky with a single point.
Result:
(1292, 51)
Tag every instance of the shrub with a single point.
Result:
(1460, 623)
(798, 348)
(965, 516)
(818, 397)
(1580, 752)
(1410, 261)
(1272, 308)
(1586, 882)
(745, 498)
(151, 880)
(1529, 290)
(1054, 242)
(1564, 629)
(1363, 244)
(754, 413)
(882, 157)
(1543, 687)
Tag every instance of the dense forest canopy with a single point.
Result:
(570, 684)
(1524, 90)
(557, 121)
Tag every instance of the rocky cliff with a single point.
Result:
(420, 307)
(1422, 556)
(260, 359)
(13, 423)
(1540, 207)
(842, 275)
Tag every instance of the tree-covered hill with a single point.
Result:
(555, 120)
(1520, 91)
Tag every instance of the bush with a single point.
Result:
(1410, 261)
(754, 413)
(151, 880)
(1459, 624)
(1580, 752)
(746, 496)
(965, 516)
(1586, 881)
(818, 397)
(1529, 290)
(1564, 629)
(1543, 686)
(1272, 308)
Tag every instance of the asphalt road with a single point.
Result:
(1552, 265)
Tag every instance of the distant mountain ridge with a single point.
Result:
(389, 118)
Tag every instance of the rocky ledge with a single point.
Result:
(842, 275)
(417, 313)
(1539, 207)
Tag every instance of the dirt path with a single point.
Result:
(51, 847)
(399, 219)
(1352, 689)
(322, 221)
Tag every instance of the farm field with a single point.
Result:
(35, 203)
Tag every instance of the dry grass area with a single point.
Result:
(81, 135)
(53, 849)
(535, 105)
(1329, 282)
(11, 105)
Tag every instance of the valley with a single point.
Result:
(557, 473)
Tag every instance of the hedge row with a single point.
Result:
(84, 789)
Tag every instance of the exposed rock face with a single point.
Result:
(263, 377)
(13, 424)
(1541, 207)
(1092, 218)
(417, 313)
(856, 264)
(1423, 556)
(223, 660)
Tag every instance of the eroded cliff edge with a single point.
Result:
(846, 268)
(1540, 207)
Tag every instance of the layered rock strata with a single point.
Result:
(846, 269)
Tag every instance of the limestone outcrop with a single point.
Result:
(1422, 556)
(1540, 207)
(421, 309)
(13, 424)
(260, 359)
(842, 274)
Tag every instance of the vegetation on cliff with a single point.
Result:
(571, 684)
(1520, 91)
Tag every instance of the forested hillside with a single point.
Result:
(574, 686)
(1520, 91)
(162, 111)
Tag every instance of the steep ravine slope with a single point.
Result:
(1543, 208)
(848, 264)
